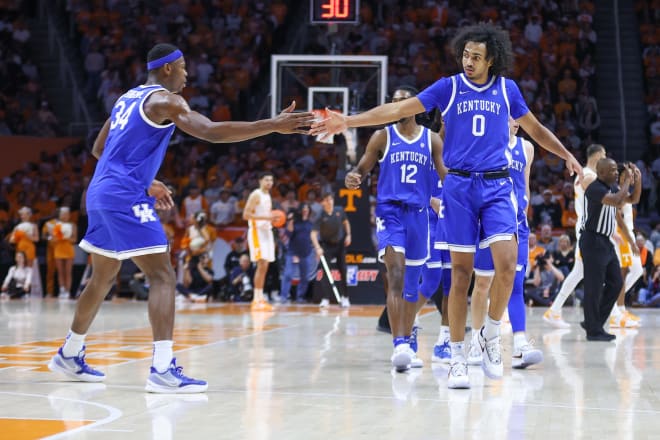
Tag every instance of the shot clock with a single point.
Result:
(334, 11)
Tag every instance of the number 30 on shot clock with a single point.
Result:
(334, 11)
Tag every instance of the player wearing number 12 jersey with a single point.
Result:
(121, 202)
(409, 155)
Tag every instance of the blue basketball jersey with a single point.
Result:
(133, 153)
(517, 163)
(406, 169)
(476, 118)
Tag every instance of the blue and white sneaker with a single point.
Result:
(413, 338)
(173, 381)
(442, 352)
(75, 367)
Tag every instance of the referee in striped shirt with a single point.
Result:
(602, 273)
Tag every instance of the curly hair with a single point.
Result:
(497, 41)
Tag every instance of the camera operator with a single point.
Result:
(197, 278)
(545, 282)
(240, 279)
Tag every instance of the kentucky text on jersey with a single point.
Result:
(478, 105)
(516, 165)
(409, 156)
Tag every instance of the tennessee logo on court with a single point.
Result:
(144, 213)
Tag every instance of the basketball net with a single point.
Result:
(349, 134)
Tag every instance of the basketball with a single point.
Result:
(279, 218)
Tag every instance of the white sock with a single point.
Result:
(73, 344)
(258, 294)
(491, 328)
(616, 311)
(443, 336)
(519, 340)
(622, 308)
(475, 333)
(162, 355)
(457, 351)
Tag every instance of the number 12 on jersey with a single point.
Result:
(408, 172)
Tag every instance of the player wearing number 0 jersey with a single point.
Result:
(475, 105)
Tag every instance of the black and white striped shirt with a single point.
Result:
(598, 218)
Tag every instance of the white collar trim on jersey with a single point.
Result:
(405, 139)
(474, 87)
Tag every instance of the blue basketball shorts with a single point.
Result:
(478, 210)
(483, 259)
(406, 229)
(125, 233)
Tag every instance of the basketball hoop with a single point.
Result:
(350, 135)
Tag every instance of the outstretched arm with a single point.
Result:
(549, 141)
(371, 154)
(383, 114)
(162, 107)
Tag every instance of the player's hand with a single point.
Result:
(162, 194)
(347, 240)
(627, 175)
(335, 123)
(353, 180)
(574, 167)
(635, 249)
(319, 251)
(288, 122)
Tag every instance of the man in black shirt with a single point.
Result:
(233, 257)
(602, 273)
(331, 236)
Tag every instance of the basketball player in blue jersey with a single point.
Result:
(477, 197)
(121, 202)
(521, 156)
(409, 155)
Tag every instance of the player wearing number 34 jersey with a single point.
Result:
(117, 189)
(121, 202)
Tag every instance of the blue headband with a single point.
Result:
(155, 64)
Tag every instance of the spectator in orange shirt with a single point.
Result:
(534, 251)
(64, 235)
(25, 235)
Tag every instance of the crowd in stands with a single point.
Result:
(648, 16)
(24, 108)
(554, 45)
(226, 46)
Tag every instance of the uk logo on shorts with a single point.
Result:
(144, 213)
(380, 224)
